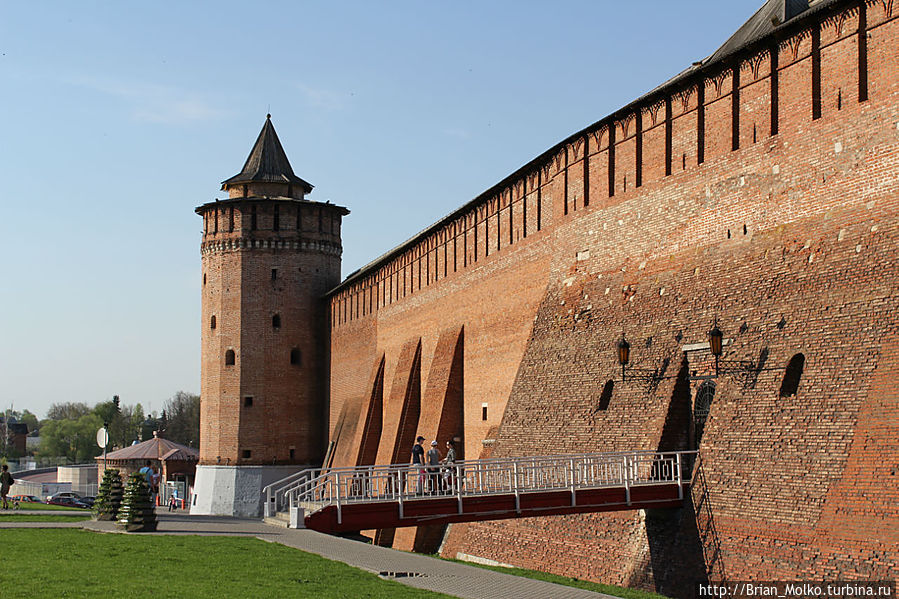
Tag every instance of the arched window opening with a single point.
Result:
(606, 396)
(276, 321)
(701, 407)
(229, 357)
(295, 356)
(790, 384)
(212, 322)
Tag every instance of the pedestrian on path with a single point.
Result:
(6, 481)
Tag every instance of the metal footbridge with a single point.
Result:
(337, 500)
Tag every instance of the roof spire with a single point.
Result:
(267, 162)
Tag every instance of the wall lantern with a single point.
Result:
(716, 340)
(746, 370)
(624, 353)
(641, 374)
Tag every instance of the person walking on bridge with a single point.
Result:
(449, 470)
(418, 458)
(433, 469)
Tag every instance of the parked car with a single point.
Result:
(26, 499)
(69, 494)
(68, 502)
(88, 500)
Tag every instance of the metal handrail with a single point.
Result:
(318, 488)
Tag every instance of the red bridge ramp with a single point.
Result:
(393, 496)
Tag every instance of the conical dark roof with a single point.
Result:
(267, 162)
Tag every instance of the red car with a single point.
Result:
(26, 499)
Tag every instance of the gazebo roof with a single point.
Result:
(157, 448)
(181, 454)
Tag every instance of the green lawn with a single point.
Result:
(13, 517)
(571, 582)
(44, 506)
(78, 563)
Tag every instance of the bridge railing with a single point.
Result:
(403, 482)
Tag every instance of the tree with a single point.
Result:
(23, 416)
(31, 420)
(67, 411)
(74, 439)
(181, 419)
(10, 425)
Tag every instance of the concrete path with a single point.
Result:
(411, 569)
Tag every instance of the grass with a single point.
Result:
(79, 563)
(13, 517)
(570, 582)
(23, 505)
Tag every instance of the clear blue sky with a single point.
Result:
(118, 118)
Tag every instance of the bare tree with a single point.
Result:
(181, 418)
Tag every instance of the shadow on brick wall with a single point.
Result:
(676, 559)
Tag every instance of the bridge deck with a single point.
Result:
(352, 499)
(447, 509)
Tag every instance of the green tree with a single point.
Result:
(132, 419)
(24, 416)
(68, 411)
(149, 424)
(75, 439)
(31, 420)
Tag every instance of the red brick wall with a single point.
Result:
(789, 241)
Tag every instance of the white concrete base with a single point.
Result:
(297, 517)
(234, 490)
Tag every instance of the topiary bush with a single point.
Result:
(109, 496)
(136, 513)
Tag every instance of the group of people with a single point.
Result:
(152, 477)
(435, 472)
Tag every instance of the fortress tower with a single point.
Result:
(269, 256)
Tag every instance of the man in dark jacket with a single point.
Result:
(418, 455)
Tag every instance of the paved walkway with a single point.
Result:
(411, 569)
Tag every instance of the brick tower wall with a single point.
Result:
(253, 273)
(761, 192)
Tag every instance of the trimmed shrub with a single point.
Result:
(136, 513)
(109, 496)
